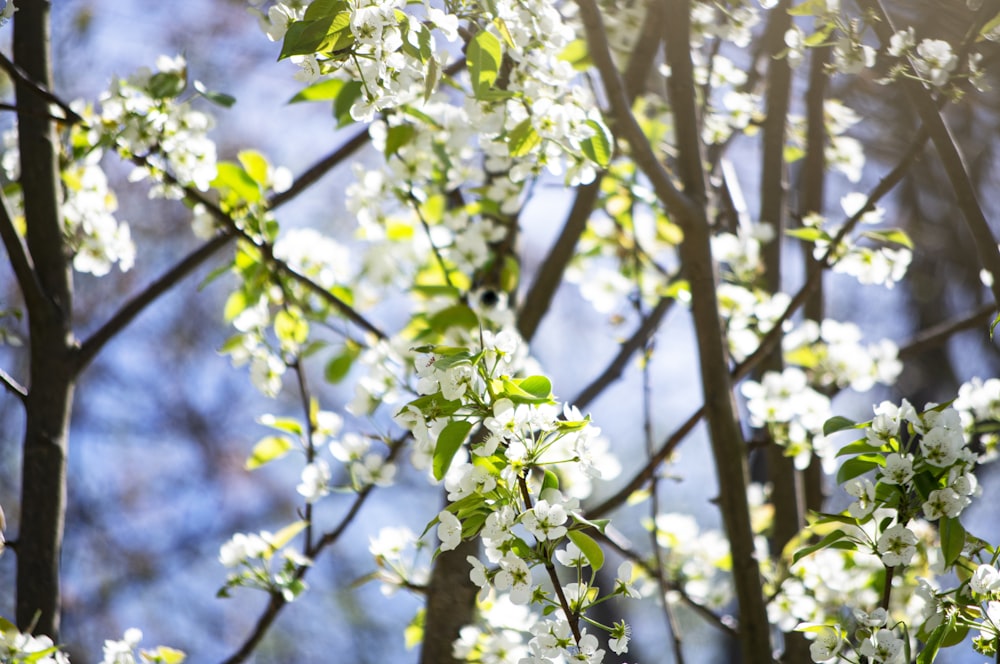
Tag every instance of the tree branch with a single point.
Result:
(645, 331)
(312, 174)
(23, 78)
(539, 297)
(20, 259)
(13, 386)
(141, 301)
(948, 150)
(277, 601)
(227, 221)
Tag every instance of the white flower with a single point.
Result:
(898, 469)
(449, 530)
(315, 481)
(985, 580)
(942, 503)
(826, 646)
(882, 646)
(862, 489)
(515, 576)
(545, 520)
(901, 42)
(897, 546)
(619, 638)
(623, 582)
(935, 60)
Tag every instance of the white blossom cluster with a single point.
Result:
(24, 648)
(98, 239)
(493, 487)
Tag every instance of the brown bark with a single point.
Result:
(50, 396)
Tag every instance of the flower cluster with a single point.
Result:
(497, 495)
(252, 559)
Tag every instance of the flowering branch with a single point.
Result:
(951, 157)
(539, 296)
(226, 220)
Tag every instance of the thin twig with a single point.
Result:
(228, 222)
(277, 601)
(14, 387)
(22, 77)
(645, 331)
(142, 300)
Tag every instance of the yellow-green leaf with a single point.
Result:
(483, 57)
(268, 449)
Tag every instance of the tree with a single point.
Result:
(642, 112)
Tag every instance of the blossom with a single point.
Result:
(882, 646)
(898, 469)
(623, 582)
(515, 576)
(449, 530)
(985, 580)
(897, 546)
(315, 481)
(935, 60)
(619, 638)
(826, 646)
(545, 520)
(944, 503)
(862, 489)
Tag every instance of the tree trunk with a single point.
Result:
(50, 396)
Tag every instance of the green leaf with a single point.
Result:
(349, 94)
(933, 642)
(255, 165)
(431, 79)
(504, 31)
(458, 315)
(550, 481)
(166, 85)
(590, 548)
(322, 91)
(837, 423)
(268, 449)
(858, 447)
(324, 34)
(859, 465)
(892, 236)
(232, 178)
(397, 137)
(451, 438)
(217, 98)
(808, 8)
(522, 139)
(598, 147)
(989, 26)
(807, 234)
(952, 539)
(235, 304)
(993, 325)
(832, 537)
(482, 57)
(339, 366)
(538, 386)
(291, 328)
(576, 54)
(320, 8)
(516, 392)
